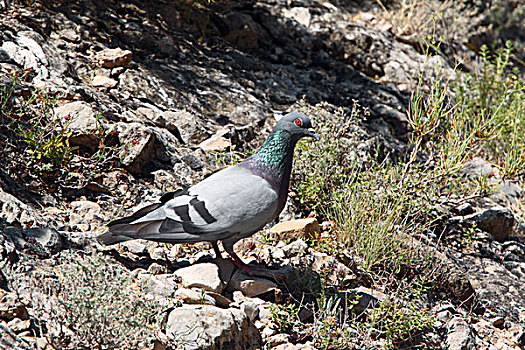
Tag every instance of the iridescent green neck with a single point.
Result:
(273, 161)
(273, 150)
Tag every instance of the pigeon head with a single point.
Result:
(273, 160)
(298, 125)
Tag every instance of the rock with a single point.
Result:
(250, 306)
(251, 286)
(298, 247)
(367, 298)
(190, 127)
(49, 238)
(160, 285)
(294, 229)
(480, 167)
(80, 114)
(498, 221)
(290, 346)
(69, 35)
(146, 148)
(11, 307)
(327, 265)
(268, 331)
(460, 335)
(299, 14)
(226, 269)
(204, 275)
(498, 322)
(17, 325)
(115, 72)
(191, 296)
(110, 58)
(157, 253)
(206, 327)
(89, 211)
(506, 192)
(10, 341)
(220, 300)
(103, 82)
(278, 339)
(217, 142)
(242, 31)
(192, 161)
(305, 314)
(136, 247)
(26, 50)
(156, 269)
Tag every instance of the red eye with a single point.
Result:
(298, 122)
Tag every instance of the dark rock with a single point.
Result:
(50, 239)
(193, 162)
(497, 221)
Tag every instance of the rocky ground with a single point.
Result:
(156, 95)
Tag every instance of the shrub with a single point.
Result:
(315, 185)
(97, 306)
(398, 323)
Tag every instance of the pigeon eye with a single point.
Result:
(298, 122)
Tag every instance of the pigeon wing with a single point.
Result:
(232, 201)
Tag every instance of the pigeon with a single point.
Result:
(229, 205)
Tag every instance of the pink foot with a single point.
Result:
(239, 263)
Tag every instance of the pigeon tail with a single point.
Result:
(109, 238)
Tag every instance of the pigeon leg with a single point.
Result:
(228, 247)
(216, 249)
(239, 263)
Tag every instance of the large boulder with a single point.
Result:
(207, 327)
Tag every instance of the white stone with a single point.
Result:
(205, 275)
(207, 327)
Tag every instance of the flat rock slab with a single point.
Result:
(206, 327)
(251, 286)
(205, 275)
(190, 296)
(110, 58)
(294, 229)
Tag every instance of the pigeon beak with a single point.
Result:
(312, 133)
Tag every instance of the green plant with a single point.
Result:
(283, 316)
(328, 333)
(470, 233)
(314, 188)
(493, 103)
(98, 307)
(49, 143)
(480, 114)
(398, 323)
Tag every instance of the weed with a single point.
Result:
(314, 188)
(98, 306)
(492, 103)
(397, 323)
(283, 316)
(39, 144)
(415, 20)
